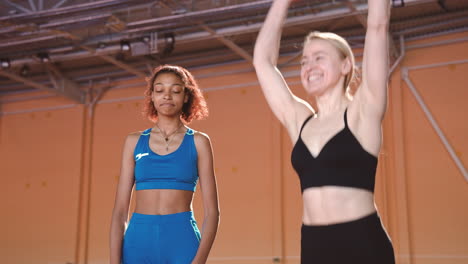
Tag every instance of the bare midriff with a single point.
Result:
(163, 201)
(334, 204)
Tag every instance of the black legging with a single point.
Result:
(362, 241)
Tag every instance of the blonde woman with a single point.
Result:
(336, 145)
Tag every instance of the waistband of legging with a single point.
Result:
(172, 218)
(372, 218)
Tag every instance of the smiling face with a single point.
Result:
(168, 94)
(322, 67)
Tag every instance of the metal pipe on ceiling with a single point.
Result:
(73, 9)
(28, 41)
(64, 23)
(264, 4)
(432, 26)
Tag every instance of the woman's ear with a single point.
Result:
(346, 66)
(186, 95)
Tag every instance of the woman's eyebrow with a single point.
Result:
(160, 83)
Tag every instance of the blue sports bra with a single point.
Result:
(342, 162)
(177, 170)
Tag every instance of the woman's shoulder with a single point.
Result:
(133, 137)
(131, 140)
(199, 134)
(199, 137)
(137, 134)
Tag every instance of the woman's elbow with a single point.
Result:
(258, 60)
(119, 214)
(261, 62)
(261, 57)
(212, 213)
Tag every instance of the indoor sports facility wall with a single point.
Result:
(60, 164)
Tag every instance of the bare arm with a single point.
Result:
(122, 199)
(210, 197)
(288, 108)
(372, 95)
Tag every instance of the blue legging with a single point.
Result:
(161, 239)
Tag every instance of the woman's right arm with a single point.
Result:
(122, 199)
(288, 108)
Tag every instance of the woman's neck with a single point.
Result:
(330, 103)
(168, 124)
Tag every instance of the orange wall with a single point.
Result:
(60, 168)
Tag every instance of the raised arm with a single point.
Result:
(122, 199)
(209, 196)
(289, 109)
(372, 95)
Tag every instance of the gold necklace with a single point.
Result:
(167, 137)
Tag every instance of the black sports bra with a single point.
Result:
(342, 162)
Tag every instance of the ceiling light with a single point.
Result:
(5, 63)
(43, 56)
(398, 3)
(24, 71)
(124, 45)
(169, 40)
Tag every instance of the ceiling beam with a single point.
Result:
(229, 43)
(32, 5)
(361, 18)
(64, 84)
(59, 4)
(116, 62)
(460, 21)
(237, 30)
(68, 11)
(67, 87)
(105, 57)
(254, 6)
(92, 51)
(17, 6)
(76, 96)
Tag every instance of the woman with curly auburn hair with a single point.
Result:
(165, 163)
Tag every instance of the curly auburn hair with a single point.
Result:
(194, 108)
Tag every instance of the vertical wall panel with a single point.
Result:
(112, 123)
(241, 132)
(437, 190)
(40, 158)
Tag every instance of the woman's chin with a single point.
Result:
(312, 91)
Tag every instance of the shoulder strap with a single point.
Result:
(190, 142)
(305, 122)
(346, 117)
(142, 143)
(190, 131)
(146, 132)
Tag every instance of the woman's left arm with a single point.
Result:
(372, 93)
(209, 196)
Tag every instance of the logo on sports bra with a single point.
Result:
(140, 155)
